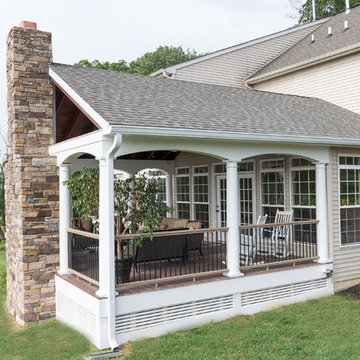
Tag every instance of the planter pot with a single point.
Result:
(122, 270)
(86, 224)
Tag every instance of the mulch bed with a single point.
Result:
(353, 292)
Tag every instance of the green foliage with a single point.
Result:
(84, 187)
(163, 57)
(138, 203)
(136, 200)
(148, 63)
(324, 8)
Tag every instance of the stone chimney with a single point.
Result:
(31, 178)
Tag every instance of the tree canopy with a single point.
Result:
(324, 8)
(148, 63)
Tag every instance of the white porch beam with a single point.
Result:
(169, 192)
(233, 216)
(322, 214)
(64, 218)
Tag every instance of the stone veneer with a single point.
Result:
(31, 178)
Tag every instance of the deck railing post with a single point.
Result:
(322, 214)
(233, 217)
(65, 218)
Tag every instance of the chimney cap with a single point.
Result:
(28, 25)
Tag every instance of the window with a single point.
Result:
(272, 187)
(201, 193)
(183, 193)
(349, 178)
(303, 197)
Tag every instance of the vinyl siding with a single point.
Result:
(337, 81)
(346, 258)
(232, 68)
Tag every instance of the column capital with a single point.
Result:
(231, 163)
(319, 164)
(64, 167)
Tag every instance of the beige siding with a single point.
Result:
(232, 68)
(346, 258)
(337, 81)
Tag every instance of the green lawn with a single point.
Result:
(327, 328)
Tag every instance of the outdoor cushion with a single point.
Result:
(194, 225)
(181, 223)
(170, 222)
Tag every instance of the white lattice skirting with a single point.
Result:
(155, 313)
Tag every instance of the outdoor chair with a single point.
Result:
(281, 234)
(249, 242)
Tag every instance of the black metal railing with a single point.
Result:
(84, 254)
(277, 242)
(170, 254)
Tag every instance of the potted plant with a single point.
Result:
(137, 201)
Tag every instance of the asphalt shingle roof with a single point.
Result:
(324, 45)
(142, 101)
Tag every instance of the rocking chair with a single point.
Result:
(281, 234)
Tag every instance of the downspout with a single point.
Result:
(111, 296)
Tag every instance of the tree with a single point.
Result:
(148, 63)
(324, 8)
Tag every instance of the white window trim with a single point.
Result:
(294, 168)
(193, 191)
(176, 193)
(271, 170)
(343, 166)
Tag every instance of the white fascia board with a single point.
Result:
(77, 142)
(172, 69)
(222, 135)
(349, 50)
(78, 100)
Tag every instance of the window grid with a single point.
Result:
(201, 193)
(272, 187)
(349, 178)
(183, 193)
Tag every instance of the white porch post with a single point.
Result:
(106, 228)
(322, 214)
(169, 192)
(233, 216)
(64, 217)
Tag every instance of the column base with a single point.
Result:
(233, 274)
(64, 272)
(323, 261)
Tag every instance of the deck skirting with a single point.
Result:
(158, 312)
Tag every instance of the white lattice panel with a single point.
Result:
(145, 319)
(281, 292)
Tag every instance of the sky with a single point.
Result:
(126, 29)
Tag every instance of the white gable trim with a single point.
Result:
(75, 97)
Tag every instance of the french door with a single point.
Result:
(247, 199)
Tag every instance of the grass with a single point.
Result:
(327, 328)
(48, 340)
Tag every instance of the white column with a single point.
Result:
(106, 228)
(64, 217)
(233, 216)
(322, 214)
(169, 192)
